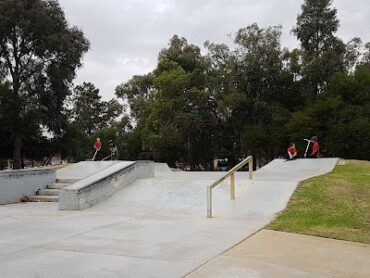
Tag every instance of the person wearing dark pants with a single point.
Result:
(113, 150)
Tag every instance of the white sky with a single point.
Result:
(127, 35)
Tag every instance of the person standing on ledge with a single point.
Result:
(315, 153)
(292, 152)
(97, 147)
(113, 150)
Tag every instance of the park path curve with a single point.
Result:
(272, 254)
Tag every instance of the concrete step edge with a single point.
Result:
(58, 185)
(48, 192)
(66, 180)
(37, 198)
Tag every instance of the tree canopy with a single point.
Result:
(199, 103)
(39, 54)
(253, 99)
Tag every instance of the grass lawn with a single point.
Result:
(335, 205)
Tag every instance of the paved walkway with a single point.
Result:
(278, 254)
(153, 228)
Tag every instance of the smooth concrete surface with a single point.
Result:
(161, 168)
(14, 184)
(155, 227)
(277, 254)
(297, 170)
(83, 169)
(100, 186)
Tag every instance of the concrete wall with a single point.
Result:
(102, 185)
(14, 184)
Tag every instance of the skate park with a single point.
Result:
(156, 224)
(197, 139)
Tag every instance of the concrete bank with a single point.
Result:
(14, 184)
(100, 186)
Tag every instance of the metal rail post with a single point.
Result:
(209, 202)
(232, 186)
(231, 174)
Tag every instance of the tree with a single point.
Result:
(173, 108)
(139, 93)
(254, 97)
(88, 117)
(186, 55)
(323, 53)
(353, 54)
(340, 117)
(89, 112)
(39, 53)
(265, 89)
(366, 56)
(5, 110)
(316, 26)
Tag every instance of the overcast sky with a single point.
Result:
(126, 35)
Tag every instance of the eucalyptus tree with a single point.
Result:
(89, 112)
(39, 55)
(323, 53)
(263, 88)
(340, 117)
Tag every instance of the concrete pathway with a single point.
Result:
(154, 228)
(277, 254)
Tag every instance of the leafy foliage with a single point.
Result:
(39, 53)
(322, 52)
(198, 104)
(89, 112)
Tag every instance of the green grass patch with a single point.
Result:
(335, 205)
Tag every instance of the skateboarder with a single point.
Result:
(97, 147)
(292, 152)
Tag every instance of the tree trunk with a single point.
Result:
(17, 152)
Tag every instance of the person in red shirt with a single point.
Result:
(292, 152)
(315, 153)
(97, 147)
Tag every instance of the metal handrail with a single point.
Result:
(231, 174)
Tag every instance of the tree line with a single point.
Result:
(253, 97)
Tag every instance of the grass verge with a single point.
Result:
(335, 205)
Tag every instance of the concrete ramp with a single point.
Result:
(83, 169)
(161, 169)
(185, 192)
(97, 181)
(296, 170)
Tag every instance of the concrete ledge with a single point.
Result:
(100, 186)
(14, 184)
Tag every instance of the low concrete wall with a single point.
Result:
(100, 186)
(14, 184)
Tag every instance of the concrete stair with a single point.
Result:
(51, 192)
(38, 198)
(48, 192)
(58, 185)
